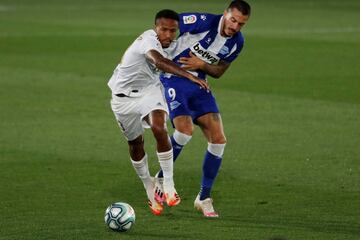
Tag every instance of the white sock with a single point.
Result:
(181, 138)
(142, 170)
(166, 164)
(216, 149)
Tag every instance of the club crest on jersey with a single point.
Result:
(203, 54)
(224, 50)
(189, 19)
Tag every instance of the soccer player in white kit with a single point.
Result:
(138, 102)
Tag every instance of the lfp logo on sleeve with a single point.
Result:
(189, 19)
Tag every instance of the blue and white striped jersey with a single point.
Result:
(200, 34)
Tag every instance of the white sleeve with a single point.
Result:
(149, 41)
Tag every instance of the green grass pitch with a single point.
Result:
(290, 105)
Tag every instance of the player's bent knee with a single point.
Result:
(159, 130)
(219, 139)
(184, 125)
(186, 129)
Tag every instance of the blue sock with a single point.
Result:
(176, 151)
(211, 167)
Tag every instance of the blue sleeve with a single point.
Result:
(195, 22)
(239, 46)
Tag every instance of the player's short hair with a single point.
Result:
(242, 6)
(167, 13)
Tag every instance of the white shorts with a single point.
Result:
(130, 111)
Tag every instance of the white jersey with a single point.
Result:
(134, 72)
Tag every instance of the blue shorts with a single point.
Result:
(187, 98)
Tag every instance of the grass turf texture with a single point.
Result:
(290, 105)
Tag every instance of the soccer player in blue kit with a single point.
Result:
(207, 44)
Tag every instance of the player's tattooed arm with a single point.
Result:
(195, 63)
(168, 66)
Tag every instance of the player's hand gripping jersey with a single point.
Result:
(200, 34)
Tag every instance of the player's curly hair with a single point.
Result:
(242, 6)
(167, 13)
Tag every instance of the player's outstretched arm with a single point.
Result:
(168, 66)
(195, 63)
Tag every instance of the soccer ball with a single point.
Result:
(120, 217)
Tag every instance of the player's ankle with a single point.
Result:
(168, 182)
(204, 193)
